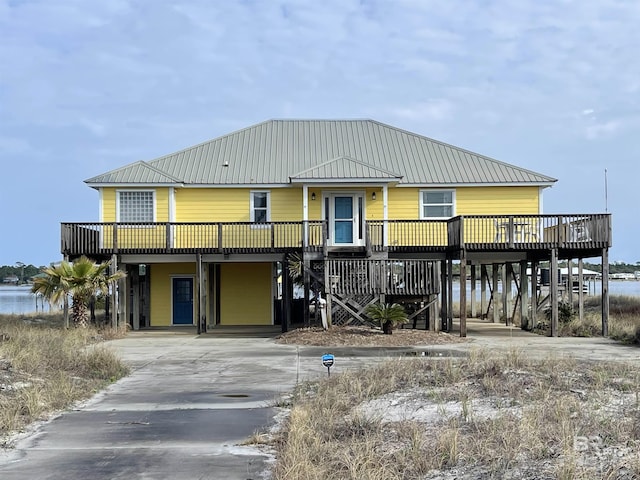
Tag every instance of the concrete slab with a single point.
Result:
(191, 401)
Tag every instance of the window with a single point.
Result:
(136, 206)
(260, 207)
(437, 203)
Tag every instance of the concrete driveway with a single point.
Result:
(182, 413)
(191, 401)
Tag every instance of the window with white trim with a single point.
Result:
(260, 206)
(136, 206)
(437, 203)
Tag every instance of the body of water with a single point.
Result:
(19, 299)
(629, 288)
(15, 299)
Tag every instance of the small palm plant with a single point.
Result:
(388, 315)
(82, 279)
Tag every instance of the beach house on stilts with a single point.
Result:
(371, 213)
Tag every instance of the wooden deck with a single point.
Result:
(574, 236)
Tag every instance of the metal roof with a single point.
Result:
(279, 151)
(343, 168)
(138, 172)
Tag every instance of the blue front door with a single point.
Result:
(182, 301)
(343, 219)
(345, 215)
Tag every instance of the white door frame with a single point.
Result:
(359, 215)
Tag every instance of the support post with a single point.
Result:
(443, 295)
(204, 289)
(65, 304)
(495, 272)
(553, 291)
(605, 292)
(473, 290)
(581, 289)
(506, 293)
(533, 318)
(199, 293)
(135, 285)
(286, 299)
(483, 290)
(306, 278)
(463, 294)
(450, 295)
(123, 298)
(114, 293)
(524, 296)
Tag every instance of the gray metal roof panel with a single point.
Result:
(271, 152)
(344, 168)
(138, 172)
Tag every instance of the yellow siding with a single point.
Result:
(108, 205)
(497, 201)
(245, 294)
(212, 205)
(160, 305)
(404, 203)
(233, 204)
(286, 204)
(315, 206)
(374, 208)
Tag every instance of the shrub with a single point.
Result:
(388, 315)
(565, 312)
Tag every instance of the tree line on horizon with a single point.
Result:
(23, 273)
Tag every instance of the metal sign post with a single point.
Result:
(327, 361)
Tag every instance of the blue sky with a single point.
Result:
(89, 86)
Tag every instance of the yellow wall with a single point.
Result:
(245, 294)
(404, 203)
(497, 201)
(233, 204)
(161, 274)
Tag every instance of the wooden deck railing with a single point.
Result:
(472, 232)
(392, 277)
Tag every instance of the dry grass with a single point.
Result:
(365, 337)
(486, 416)
(624, 319)
(44, 368)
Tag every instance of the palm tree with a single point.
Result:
(388, 315)
(82, 279)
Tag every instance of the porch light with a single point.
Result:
(373, 195)
(313, 195)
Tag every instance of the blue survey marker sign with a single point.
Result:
(327, 361)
